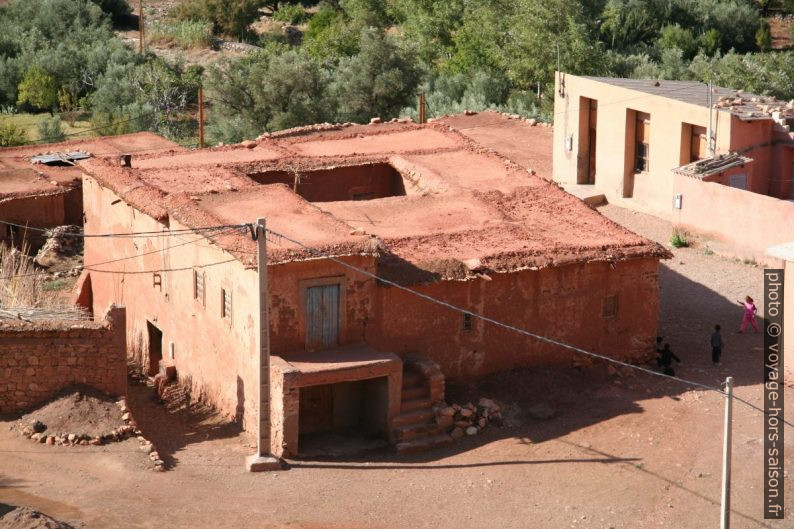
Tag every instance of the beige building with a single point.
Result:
(644, 144)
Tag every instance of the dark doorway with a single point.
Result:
(591, 141)
(155, 348)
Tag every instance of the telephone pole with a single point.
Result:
(725, 515)
(201, 117)
(140, 26)
(262, 460)
(422, 109)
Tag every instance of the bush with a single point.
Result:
(11, 134)
(291, 13)
(679, 239)
(187, 34)
(117, 9)
(228, 17)
(50, 130)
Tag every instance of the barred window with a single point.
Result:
(609, 307)
(198, 286)
(467, 321)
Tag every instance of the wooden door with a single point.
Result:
(316, 409)
(322, 317)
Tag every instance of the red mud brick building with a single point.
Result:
(40, 188)
(419, 205)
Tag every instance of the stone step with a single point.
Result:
(415, 393)
(414, 431)
(423, 443)
(415, 404)
(412, 379)
(413, 417)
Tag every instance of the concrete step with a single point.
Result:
(414, 431)
(415, 404)
(415, 393)
(412, 379)
(423, 443)
(413, 417)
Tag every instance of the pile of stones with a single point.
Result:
(62, 241)
(469, 419)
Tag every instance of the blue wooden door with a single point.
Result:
(322, 317)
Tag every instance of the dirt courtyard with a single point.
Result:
(622, 452)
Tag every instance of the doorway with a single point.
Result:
(588, 124)
(155, 348)
(322, 317)
(591, 141)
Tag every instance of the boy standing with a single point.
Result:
(716, 346)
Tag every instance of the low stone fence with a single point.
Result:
(39, 358)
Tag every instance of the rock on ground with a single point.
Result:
(24, 518)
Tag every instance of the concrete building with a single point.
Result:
(644, 144)
(40, 187)
(422, 206)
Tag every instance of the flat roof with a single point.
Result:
(461, 202)
(744, 105)
(20, 161)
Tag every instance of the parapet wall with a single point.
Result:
(38, 359)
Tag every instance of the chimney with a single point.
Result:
(125, 160)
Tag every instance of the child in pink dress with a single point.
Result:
(750, 311)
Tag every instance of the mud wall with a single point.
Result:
(39, 359)
(564, 303)
(40, 211)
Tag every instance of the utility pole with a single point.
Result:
(201, 116)
(140, 26)
(725, 516)
(422, 111)
(263, 460)
(710, 133)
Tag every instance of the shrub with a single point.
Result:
(117, 9)
(291, 13)
(11, 134)
(228, 17)
(679, 239)
(187, 34)
(50, 130)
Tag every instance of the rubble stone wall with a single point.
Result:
(38, 359)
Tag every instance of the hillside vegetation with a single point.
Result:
(349, 60)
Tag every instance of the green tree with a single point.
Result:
(38, 89)
(232, 18)
(378, 81)
(11, 134)
(763, 37)
(674, 36)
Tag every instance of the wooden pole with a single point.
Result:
(725, 515)
(262, 460)
(422, 115)
(140, 26)
(201, 117)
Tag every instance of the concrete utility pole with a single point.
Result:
(140, 26)
(201, 116)
(710, 133)
(422, 106)
(263, 460)
(725, 517)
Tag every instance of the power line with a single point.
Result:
(147, 234)
(514, 328)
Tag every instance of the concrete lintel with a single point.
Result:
(258, 463)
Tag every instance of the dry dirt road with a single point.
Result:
(622, 452)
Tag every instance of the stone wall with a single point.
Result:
(38, 359)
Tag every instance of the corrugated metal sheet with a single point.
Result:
(322, 316)
(60, 158)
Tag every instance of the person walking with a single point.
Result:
(716, 346)
(750, 310)
(665, 360)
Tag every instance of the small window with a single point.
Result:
(642, 141)
(467, 325)
(226, 304)
(609, 307)
(198, 286)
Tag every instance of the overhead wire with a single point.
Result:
(147, 234)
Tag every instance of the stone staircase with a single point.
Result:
(415, 428)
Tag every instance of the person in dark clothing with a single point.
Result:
(666, 358)
(716, 346)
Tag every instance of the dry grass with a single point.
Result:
(22, 285)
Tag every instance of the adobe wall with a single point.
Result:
(39, 359)
(39, 211)
(563, 303)
(749, 221)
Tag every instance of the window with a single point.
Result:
(698, 144)
(198, 286)
(226, 304)
(609, 307)
(467, 321)
(642, 136)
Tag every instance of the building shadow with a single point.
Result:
(176, 421)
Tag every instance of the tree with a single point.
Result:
(763, 37)
(117, 9)
(38, 89)
(229, 17)
(674, 36)
(378, 81)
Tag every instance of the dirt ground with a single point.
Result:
(78, 410)
(622, 452)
